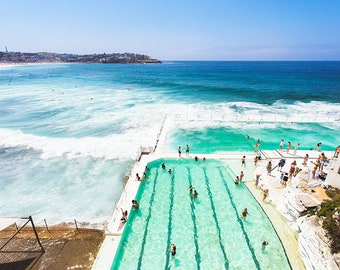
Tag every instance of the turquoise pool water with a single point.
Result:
(208, 231)
(234, 137)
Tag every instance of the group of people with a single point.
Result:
(138, 178)
(124, 217)
(317, 171)
(187, 151)
(239, 179)
(289, 146)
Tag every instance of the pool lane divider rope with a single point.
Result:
(250, 247)
(193, 217)
(226, 260)
(152, 198)
(167, 253)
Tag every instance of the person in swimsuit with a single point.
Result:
(243, 164)
(244, 213)
(187, 150)
(241, 176)
(135, 204)
(172, 249)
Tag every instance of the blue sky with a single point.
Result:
(176, 30)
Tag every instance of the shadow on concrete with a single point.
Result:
(21, 264)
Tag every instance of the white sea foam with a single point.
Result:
(116, 146)
(88, 134)
(231, 114)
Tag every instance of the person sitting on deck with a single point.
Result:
(138, 177)
(284, 180)
(123, 219)
(237, 180)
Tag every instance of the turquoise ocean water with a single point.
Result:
(69, 133)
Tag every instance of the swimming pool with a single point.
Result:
(208, 231)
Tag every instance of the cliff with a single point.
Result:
(47, 57)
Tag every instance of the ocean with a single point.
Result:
(69, 133)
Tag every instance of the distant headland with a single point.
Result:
(48, 57)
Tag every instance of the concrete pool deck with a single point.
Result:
(287, 236)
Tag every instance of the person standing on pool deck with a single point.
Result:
(257, 179)
(305, 160)
(282, 162)
(282, 143)
(187, 150)
(243, 162)
(269, 168)
(241, 176)
(179, 151)
(288, 147)
(296, 147)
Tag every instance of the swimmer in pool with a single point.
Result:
(264, 244)
(135, 204)
(244, 213)
(173, 249)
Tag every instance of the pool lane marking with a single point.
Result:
(250, 247)
(167, 253)
(193, 217)
(139, 266)
(226, 260)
